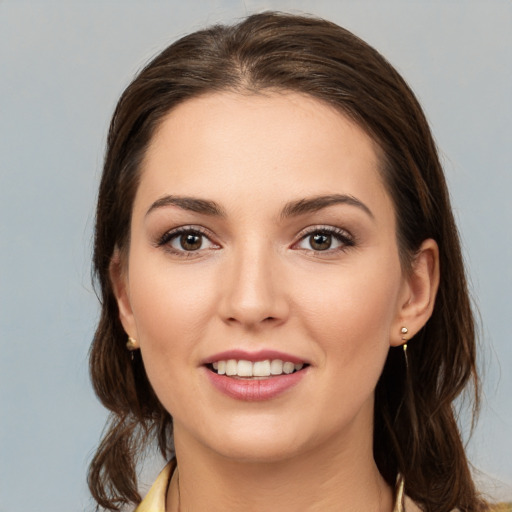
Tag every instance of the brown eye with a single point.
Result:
(191, 241)
(328, 239)
(320, 241)
(185, 241)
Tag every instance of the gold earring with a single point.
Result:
(132, 344)
(404, 331)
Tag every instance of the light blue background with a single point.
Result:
(63, 66)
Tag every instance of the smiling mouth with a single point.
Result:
(243, 369)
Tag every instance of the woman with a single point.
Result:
(284, 300)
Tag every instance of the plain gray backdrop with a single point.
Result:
(62, 68)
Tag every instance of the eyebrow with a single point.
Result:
(192, 204)
(313, 204)
(291, 209)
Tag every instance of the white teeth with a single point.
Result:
(266, 368)
(288, 367)
(231, 367)
(276, 367)
(261, 368)
(244, 368)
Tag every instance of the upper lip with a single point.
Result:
(260, 355)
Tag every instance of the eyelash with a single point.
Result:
(342, 236)
(169, 236)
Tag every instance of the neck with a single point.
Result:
(330, 478)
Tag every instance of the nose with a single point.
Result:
(254, 289)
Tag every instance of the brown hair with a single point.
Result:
(415, 431)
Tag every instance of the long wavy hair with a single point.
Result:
(415, 432)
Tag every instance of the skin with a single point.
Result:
(256, 283)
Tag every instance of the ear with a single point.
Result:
(418, 294)
(120, 286)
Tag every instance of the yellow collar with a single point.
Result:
(155, 498)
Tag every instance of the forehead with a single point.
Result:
(225, 144)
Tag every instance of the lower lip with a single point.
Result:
(256, 390)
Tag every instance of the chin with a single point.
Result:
(254, 441)
(256, 451)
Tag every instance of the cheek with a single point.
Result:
(349, 317)
(169, 303)
(170, 308)
(350, 312)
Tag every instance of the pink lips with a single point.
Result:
(252, 390)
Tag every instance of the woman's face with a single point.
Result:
(262, 232)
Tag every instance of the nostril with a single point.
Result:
(268, 319)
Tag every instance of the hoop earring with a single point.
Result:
(404, 331)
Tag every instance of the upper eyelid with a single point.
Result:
(191, 228)
(324, 227)
(188, 227)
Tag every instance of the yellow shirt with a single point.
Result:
(155, 499)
